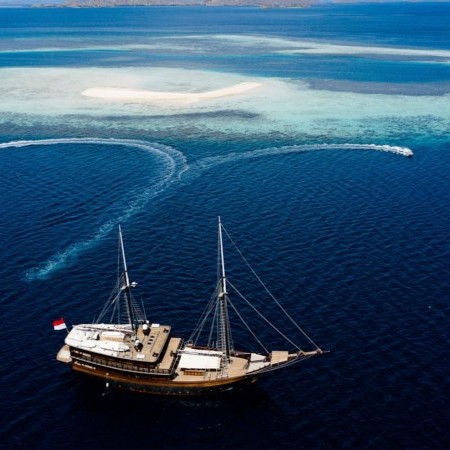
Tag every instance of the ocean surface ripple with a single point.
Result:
(304, 171)
(176, 166)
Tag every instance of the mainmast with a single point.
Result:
(126, 287)
(224, 333)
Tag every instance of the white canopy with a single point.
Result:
(200, 359)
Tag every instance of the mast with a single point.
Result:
(126, 287)
(224, 333)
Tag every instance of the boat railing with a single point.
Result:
(120, 365)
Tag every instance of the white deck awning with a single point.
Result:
(200, 359)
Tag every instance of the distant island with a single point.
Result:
(260, 3)
(247, 3)
(114, 3)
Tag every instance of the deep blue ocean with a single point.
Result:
(308, 176)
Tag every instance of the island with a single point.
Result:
(258, 3)
(123, 3)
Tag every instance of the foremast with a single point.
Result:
(127, 286)
(224, 341)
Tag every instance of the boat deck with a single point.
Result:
(117, 341)
(152, 344)
(156, 353)
(237, 368)
(170, 355)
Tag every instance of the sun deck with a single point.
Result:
(118, 341)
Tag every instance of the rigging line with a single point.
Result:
(214, 324)
(267, 290)
(207, 309)
(264, 318)
(111, 300)
(143, 309)
(196, 335)
(204, 316)
(246, 325)
(114, 298)
(116, 307)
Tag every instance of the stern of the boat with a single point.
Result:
(64, 354)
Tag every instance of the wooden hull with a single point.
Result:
(164, 385)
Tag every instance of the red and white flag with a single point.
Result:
(59, 324)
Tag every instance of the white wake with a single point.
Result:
(176, 166)
(210, 162)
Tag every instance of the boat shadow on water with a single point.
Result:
(168, 419)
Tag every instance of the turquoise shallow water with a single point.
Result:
(349, 234)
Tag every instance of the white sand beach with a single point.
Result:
(146, 96)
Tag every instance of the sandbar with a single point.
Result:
(146, 96)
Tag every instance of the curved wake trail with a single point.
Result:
(175, 165)
(208, 163)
